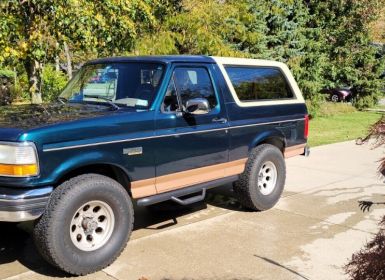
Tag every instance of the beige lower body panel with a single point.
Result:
(170, 182)
(187, 178)
(294, 150)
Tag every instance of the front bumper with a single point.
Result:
(18, 205)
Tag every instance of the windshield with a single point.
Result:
(124, 84)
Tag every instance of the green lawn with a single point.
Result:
(342, 127)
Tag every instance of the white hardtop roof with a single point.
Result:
(247, 61)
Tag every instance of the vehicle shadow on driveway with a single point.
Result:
(150, 217)
(18, 253)
(17, 250)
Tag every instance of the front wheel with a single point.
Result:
(86, 225)
(261, 184)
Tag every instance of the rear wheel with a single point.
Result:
(86, 225)
(261, 184)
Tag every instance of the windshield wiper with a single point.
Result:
(109, 101)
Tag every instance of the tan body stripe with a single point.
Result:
(178, 180)
(294, 150)
(165, 183)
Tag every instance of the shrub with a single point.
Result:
(7, 73)
(52, 83)
(368, 263)
(366, 101)
(6, 79)
(314, 104)
(5, 91)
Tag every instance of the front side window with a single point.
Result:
(259, 83)
(187, 84)
(125, 84)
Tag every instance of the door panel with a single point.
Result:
(192, 147)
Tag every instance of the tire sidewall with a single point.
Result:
(103, 190)
(274, 155)
(335, 98)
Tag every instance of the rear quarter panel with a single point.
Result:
(255, 122)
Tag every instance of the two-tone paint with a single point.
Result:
(176, 151)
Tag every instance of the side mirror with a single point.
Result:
(197, 106)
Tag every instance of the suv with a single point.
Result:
(159, 128)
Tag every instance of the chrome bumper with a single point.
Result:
(18, 205)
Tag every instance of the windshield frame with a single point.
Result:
(64, 95)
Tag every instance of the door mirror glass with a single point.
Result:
(197, 106)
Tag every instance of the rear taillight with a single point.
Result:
(306, 129)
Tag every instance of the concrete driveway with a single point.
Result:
(310, 234)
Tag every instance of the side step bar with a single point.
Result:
(175, 195)
(190, 200)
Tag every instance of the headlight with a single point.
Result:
(18, 159)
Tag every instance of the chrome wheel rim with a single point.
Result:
(267, 178)
(92, 225)
(334, 98)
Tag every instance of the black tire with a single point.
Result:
(335, 98)
(246, 188)
(52, 231)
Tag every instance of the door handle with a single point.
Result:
(220, 120)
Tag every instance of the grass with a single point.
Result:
(340, 127)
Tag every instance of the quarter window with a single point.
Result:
(259, 83)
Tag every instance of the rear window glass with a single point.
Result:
(259, 83)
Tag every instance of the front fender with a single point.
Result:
(81, 160)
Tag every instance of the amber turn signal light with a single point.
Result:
(18, 170)
(18, 159)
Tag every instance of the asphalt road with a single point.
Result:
(310, 234)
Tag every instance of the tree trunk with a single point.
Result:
(33, 68)
(57, 63)
(57, 59)
(69, 60)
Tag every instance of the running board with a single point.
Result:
(190, 200)
(175, 195)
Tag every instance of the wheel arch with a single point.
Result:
(272, 137)
(112, 171)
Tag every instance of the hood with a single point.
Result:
(10, 134)
(16, 119)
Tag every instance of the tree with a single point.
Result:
(346, 40)
(32, 30)
(198, 27)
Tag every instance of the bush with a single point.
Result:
(366, 102)
(314, 104)
(7, 73)
(368, 263)
(52, 83)
(5, 91)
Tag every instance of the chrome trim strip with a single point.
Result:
(164, 135)
(27, 195)
(20, 216)
(23, 205)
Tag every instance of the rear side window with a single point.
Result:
(259, 83)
